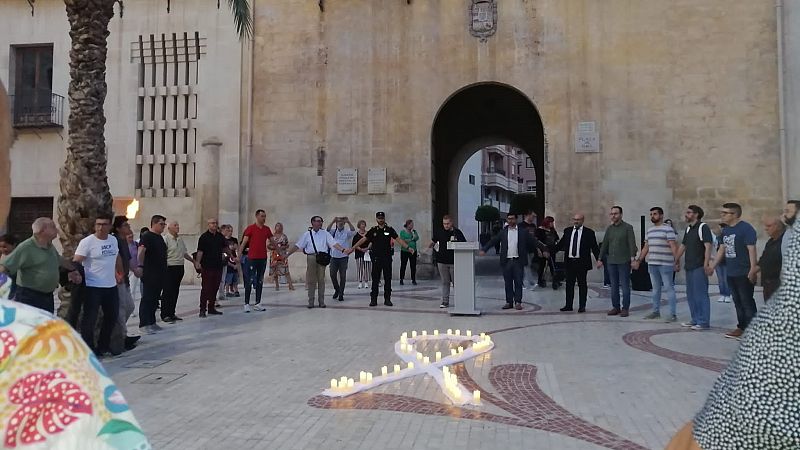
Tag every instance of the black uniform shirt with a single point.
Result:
(381, 239)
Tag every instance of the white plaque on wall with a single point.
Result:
(587, 138)
(346, 181)
(376, 180)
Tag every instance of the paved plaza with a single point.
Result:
(553, 381)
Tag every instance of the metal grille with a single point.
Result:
(166, 138)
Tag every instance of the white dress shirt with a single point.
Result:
(322, 239)
(576, 252)
(513, 243)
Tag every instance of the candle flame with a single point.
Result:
(132, 209)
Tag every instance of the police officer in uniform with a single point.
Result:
(381, 253)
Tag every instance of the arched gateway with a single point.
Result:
(474, 117)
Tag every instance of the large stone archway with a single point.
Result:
(477, 116)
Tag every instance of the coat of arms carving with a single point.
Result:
(483, 18)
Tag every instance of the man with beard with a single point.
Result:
(659, 251)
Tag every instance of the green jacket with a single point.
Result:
(410, 238)
(619, 243)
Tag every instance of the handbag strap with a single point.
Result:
(312, 241)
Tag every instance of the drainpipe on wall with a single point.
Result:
(781, 100)
(249, 138)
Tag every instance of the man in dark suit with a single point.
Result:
(578, 244)
(515, 245)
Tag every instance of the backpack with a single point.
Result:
(699, 230)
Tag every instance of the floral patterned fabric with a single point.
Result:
(54, 393)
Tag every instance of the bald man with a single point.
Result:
(771, 260)
(578, 243)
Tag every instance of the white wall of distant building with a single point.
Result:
(469, 196)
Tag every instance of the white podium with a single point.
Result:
(464, 296)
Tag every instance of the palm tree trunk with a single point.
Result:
(83, 181)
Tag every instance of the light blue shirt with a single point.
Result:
(342, 237)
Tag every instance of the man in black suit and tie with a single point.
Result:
(515, 245)
(579, 244)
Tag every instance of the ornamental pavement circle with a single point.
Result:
(553, 380)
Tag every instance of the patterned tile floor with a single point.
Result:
(554, 380)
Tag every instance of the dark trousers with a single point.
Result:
(254, 278)
(338, 268)
(381, 265)
(770, 287)
(41, 300)
(211, 278)
(742, 292)
(172, 287)
(544, 263)
(576, 272)
(96, 298)
(151, 292)
(606, 276)
(405, 258)
(513, 275)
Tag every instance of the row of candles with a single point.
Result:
(450, 332)
(452, 386)
(345, 383)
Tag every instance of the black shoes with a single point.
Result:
(581, 310)
(565, 309)
(130, 342)
(203, 314)
(373, 303)
(508, 306)
(401, 282)
(214, 312)
(414, 282)
(388, 303)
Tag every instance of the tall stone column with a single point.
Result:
(207, 179)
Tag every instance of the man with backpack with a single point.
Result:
(697, 241)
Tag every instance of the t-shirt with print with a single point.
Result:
(659, 252)
(258, 237)
(694, 242)
(101, 260)
(736, 240)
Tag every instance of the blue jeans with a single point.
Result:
(513, 274)
(620, 277)
(742, 290)
(722, 275)
(254, 278)
(661, 276)
(697, 296)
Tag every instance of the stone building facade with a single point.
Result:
(616, 102)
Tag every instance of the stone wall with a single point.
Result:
(684, 94)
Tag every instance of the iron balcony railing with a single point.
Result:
(37, 108)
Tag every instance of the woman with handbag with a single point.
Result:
(316, 244)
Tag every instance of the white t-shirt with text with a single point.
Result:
(100, 262)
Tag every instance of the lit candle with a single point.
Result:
(476, 396)
(410, 365)
(350, 383)
(413, 334)
(426, 360)
(402, 348)
(334, 383)
(419, 356)
(362, 377)
(435, 332)
(438, 356)
(460, 349)
(404, 335)
(452, 352)
(457, 393)
(403, 340)
(369, 377)
(469, 333)
(449, 331)
(384, 371)
(458, 332)
(424, 332)
(396, 369)
(343, 382)
(483, 336)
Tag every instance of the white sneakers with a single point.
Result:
(724, 299)
(258, 307)
(247, 308)
(150, 329)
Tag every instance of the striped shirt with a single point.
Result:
(658, 251)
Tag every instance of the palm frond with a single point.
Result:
(242, 18)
